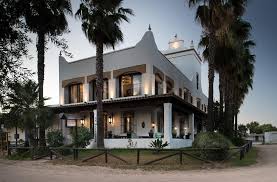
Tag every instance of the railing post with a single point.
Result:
(181, 157)
(241, 153)
(106, 156)
(138, 155)
(51, 155)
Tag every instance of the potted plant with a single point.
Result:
(110, 134)
(174, 134)
(188, 135)
(151, 133)
(129, 134)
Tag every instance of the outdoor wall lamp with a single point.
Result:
(110, 119)
(153, 125)
(82, 122)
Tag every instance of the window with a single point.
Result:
(128, 122)
(105, 89)
(130, 85)
(191, 99)
(198, 103)
(75, 93)
(158, 85)
(169, 87)
(180, 92)
(197, 81)
(186, 95)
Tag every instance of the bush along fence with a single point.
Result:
(131, 156)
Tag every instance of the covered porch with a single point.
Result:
(135, 122)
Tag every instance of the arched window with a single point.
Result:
(75, 93)
(158, 84)
(130, 84)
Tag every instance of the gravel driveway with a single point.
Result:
(34, 171)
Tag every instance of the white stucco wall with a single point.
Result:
(270, 137)
(181, 69)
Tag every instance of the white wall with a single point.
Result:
(145, 52)
(270, 137)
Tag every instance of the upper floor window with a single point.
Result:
(93, 90)
(130, 85)
(169, 87)
(158, 84)
(198, 103)
(197, 81)
(186, 95)
(75, 93)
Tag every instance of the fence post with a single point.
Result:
(106, 156)
(8, 149)
(138, 155)
(51, 155)
(32, 152)
(241, 153)
(181, 157)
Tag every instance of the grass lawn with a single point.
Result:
(249, 159)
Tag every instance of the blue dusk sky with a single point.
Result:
(170, 17)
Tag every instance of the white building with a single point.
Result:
(145, 90)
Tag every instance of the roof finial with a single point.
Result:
(60, 53)
(149, 28)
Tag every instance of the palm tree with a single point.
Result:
(228, 63)
(22, 111)
(215, 16)
(47, 19)
(21, 100)
(101, 24)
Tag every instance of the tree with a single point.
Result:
(47, 19)
(215, 16)
(253, 127)
(242, 130)
(101, 24)
(22, 111)
(13, 46)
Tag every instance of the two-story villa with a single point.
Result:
(147, 94)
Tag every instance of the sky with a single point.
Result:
(170, 17)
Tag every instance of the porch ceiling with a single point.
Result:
(133, 102)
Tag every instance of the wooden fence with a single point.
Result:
(107, 154)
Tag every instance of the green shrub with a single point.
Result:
(238, 141)
(83, 138)
(55, 138)
(158, 144)
(210, 140)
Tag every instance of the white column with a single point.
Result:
(95, 124)
(62, 96)
(164, 87)
(112, 88)
(191, 120)
(153, 84)
(168, 122)
(86, 92)
(146, 84)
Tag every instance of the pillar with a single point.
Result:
(191, 120)
(95, 124)
(168, 122)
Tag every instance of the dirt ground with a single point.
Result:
(39, 171)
